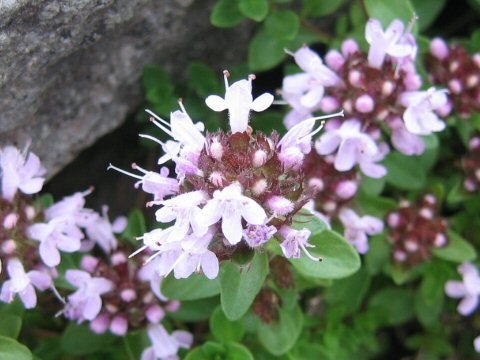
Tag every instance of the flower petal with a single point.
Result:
(262, 102)
(216, 103)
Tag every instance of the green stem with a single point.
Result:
(127, 348)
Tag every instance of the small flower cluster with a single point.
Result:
(415, 229)
(112, 293)
(21, 174)
(378, 91)
(334, 192)
(454, 67)
(468, 290)
(229, 186)
(471, 165)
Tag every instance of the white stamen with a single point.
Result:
(340, 113)
(110, 166)
(152, 138)
(226, 74)
(137, 251)
(136, 167)
(310, 255)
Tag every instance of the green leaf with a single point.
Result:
(430, 297)
(340, 259)
(378, 254)
(282, 24)
(265, 51)
(196, 286)
(280, 336)
(375, 205)
(348, 293)
(372, 186)
(196, 310)
(225, 330)
(211, 350)
(203, 80)
(226, 13)
(404, 171)
(239, 285)
(387, 11)
(10, 349)
(135, 227)
(80, 340)
(305, 219)
(10, 325)
(45, 200)
(320, 7)
(427, 11)
(157, 83)
(457, 250)
(396, 305)
(254, 9)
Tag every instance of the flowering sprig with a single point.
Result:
(230, 186)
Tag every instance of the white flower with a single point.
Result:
(239, 101)
(419, 116)
(468, 288)
(165, 346)
(231, 206)
(184, 209)
(385, 43)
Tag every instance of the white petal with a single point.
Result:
(262, 102)
(253, 212)
(216, 103)
(232, 224)
(455, 289)
(209, 264)
(210, 213)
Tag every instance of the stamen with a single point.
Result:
(288, 52)
(110, 166)
(152, 257)
(180, 103)
(57, 294)
(88, 191)
(226, 74)
(158, 124)
(340, 113)
(279, 102)
(136, 167)
(152, 138)
(137, 251)
(310, 256)
(175, 263)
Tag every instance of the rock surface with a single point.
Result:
(69, 70)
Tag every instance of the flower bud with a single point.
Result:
(364, 104)
(316, 184)
(10, 221)
(9, 246)
(154, 314)
(100, 324)
(440, 240)
(216, 150)
(118, 258)
(346, 189)
(399, 255)
(259, 187)
(472, 81)
(334, 59)
(280, 205)
(393, 220)
(173, 306)
(329, 104)
(128, 295)
(216, 179)
(439, 48)
(89, 263)
(119, 325)
(349, 47)
(411, 246)
(30, 212)
(455, 86)
(355, 78)
(387, 88)
(259, 158)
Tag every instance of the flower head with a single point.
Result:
(239, 101)
(18, 171)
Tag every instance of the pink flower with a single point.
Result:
(101, 231)
(419, 116)
(239, 101)
(357, 228)
(165, 346)
(231, 206)
(296, 240)
(23, 284)
(385, 43)
(468, 289)
(19, 173)
(85, 303)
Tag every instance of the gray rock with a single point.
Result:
(70, 69)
